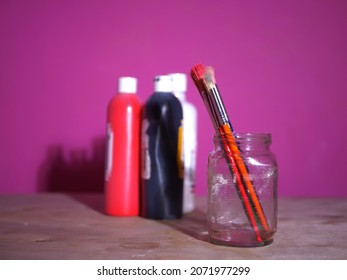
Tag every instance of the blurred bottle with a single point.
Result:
(122, 183)
(161, 152)
(179, 88)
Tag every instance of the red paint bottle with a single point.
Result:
(122, 181)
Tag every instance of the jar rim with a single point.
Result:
(246, 136)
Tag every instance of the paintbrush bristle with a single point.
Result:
(209, 76)
(197, 73)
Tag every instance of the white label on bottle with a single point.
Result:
(191, 168)
(109, 152)
(146, 159)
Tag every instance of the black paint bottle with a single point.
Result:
(162, 153)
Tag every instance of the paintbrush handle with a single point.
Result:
(241, 190)
(224, 124)
(236, 154)
(215, 107)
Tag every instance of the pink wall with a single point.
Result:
(281, 67)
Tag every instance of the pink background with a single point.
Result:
(280, 65)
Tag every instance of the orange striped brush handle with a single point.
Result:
(240, 187)
(236, 155)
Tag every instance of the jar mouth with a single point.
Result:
(246, 136)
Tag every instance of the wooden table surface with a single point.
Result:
(72, 226)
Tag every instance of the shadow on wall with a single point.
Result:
(74, 170)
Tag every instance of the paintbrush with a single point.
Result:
(204, 80)
(227, 129)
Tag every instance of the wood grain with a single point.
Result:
(73, 226)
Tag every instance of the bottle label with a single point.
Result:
(180, 159)
(109, 152)
(191, 172)
(146, 159)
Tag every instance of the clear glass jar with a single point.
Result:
(242, 190)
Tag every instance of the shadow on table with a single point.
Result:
(192, 224)
(93, 201)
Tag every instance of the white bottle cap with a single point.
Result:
(127, 85)
(162, 83)
(179, 82)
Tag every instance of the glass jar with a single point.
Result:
(242, 190)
